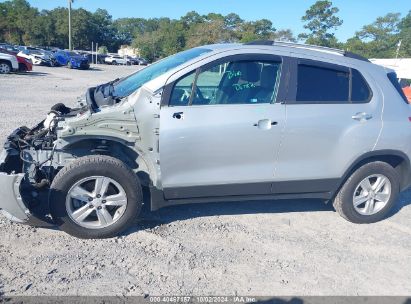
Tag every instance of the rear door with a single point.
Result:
(333, 117)
(221, 129)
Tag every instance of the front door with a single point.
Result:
(221, 129)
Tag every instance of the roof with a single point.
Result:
(290, 46)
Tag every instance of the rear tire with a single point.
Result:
(369, 193)
(74, 190)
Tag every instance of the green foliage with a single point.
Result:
(159, 37)
(320, 20)
(17, 20)
(378, 39)
(102, 50)
(405, 35)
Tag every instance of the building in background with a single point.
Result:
(401, 66)
(126, 50)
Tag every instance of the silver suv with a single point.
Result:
(265, 120)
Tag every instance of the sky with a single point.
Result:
(283, 14)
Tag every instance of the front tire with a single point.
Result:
(5, 67)
(22, 68)
(369, 193)
(95, 197)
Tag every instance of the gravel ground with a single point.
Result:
(245, 248)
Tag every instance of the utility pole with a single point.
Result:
(398, 49)
(96, 53)
(69, 13)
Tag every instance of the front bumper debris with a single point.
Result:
(11, 201)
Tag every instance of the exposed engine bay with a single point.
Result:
(27, 161)
(100, 124)
(32, 150)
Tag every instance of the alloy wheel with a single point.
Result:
(4, 68)
(372, 194)
(96, 202)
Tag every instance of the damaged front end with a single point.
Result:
(102, 123)
(31, 158)
(26, 171)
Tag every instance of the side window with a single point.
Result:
(322, 85)
(360, 92)
(232, 82)
(182, 90)
(238, 82)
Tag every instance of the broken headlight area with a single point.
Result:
(27, 169)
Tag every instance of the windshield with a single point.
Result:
(35, 52)
(133, 82)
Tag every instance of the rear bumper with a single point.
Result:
(83, 65)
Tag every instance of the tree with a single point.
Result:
(18, 20)
(192, 18)
(381, 29)
(233, 21)
(321, 20)
(173, 38)
(104, 33)
(378, 39)
(405, 35)
(127, 28)
(207, 33)
(155, 37)
(256, 30)
(283, 35)
(149, 45)
(102, 50)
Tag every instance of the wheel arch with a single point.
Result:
(397, 159)
(115, 148)
(7, 62)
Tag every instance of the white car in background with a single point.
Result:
(116, 59)
(38, 57)
(8, 63)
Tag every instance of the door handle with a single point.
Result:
(361, 116)
(178, 115)
(265, 124)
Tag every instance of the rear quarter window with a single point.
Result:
(321, 83)
(360, 91)
(394, 81)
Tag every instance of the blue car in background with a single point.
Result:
(72, 60)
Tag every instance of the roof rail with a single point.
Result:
(309, 47)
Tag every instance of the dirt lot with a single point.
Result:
(248, 248)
